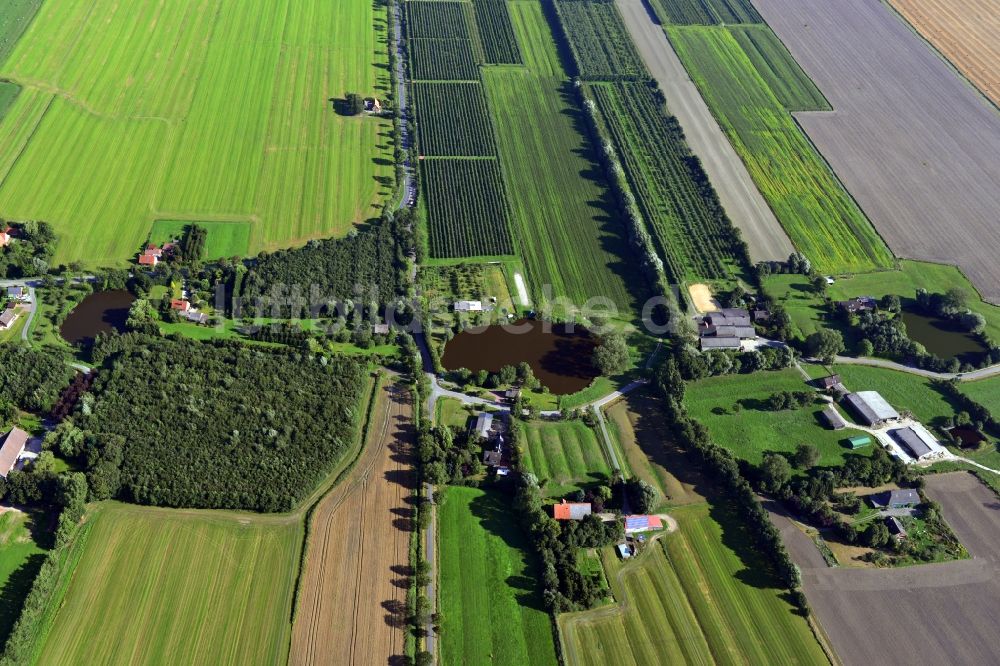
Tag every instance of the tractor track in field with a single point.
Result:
(350, 556)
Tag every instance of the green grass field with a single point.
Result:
(698, 596)
(792, 86)
(194, 109)
(20, 557)
(201, 587)
(563, 216)
(15, 17)
(567, 454)
(820, 217)
(488, 595)
(807, 309)
(451, 412)
(8, 93)
(223, 240)
(752, 430)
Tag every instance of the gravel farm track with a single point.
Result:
(351, 606)
(926, 614)
(911, 139)
(965, 32)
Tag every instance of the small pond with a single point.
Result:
(101, 312)
(560, 359)
(967, 436)
(943, 338)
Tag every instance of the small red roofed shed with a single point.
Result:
(148, 260)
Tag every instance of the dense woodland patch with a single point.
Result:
(367, 265)
(32, 379)
(182, 423)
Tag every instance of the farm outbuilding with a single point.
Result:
(916, 443)
(871, 408)
(13, 446)
(634, 524)
(7, 318)
(829, 382)
(833, 418)
(719, 343)
(468, 306)
(859, 441)
(571, 510)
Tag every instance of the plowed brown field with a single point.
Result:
(352, 596)
(965, 31)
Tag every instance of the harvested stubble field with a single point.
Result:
(965, 32)
(351, 603)
(698, 596)
(193, 109)
(820, 217)
(912, 141)
(860, 608)
(204, 587)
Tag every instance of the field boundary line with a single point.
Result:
(27, 141)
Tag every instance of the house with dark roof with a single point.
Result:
(859, 304)
(572, 510)
(707, 344)
(828, 382)
(903, 498)
(493, 458)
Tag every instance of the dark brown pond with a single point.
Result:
(967, 436)
(102, 312)
(560, 360)
(943, 338)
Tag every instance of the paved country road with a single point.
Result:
(742, 201)
(973, 375)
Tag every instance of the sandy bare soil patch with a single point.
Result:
(743, 203)
(701, 296)
(967, 32)
(914, 143)
(352, 597)
(929, 614)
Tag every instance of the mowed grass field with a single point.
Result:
(21, 556)
(194, 109)
(732, 409)
(223, 239)
(564, 221)
(698, 596)
(566, 454)
(488, 591)
(812, 205)
(183, 586)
